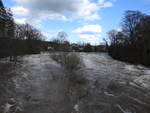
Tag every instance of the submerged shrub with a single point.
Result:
(59, 57)
(70, 61)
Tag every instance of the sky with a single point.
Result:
(86, 21)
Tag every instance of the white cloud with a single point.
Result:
(90, 33)
(38, 10)
(21, 11)
(89, 29)
(20, 20)
(47, 36)
(51, 34)
(88, 11)
(57, 9)
(93, 39)
(107, 4)
(101, 1)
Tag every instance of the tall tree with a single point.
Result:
(129, 25)
(3, 15)
(10, 26)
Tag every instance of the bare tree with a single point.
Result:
(61, 43)
(130, 21)
(62, 36)
(132, 43)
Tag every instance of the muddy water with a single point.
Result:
(41, 87)
(39, 84)
(116, 87)
(101, 67)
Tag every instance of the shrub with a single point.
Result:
(70, 61)
(59, 57)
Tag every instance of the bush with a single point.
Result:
(59, 57)
(70, 61)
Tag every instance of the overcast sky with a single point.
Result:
(83, 20)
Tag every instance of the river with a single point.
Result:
(38, 85)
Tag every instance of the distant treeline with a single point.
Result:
(81, 47)
(16, 39)
(132, 42)
(25, 40)
(60, 43)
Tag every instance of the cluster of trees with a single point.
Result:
(66, 46)
(132, 42)
(60, 43)
(16, 39)
(87, 47)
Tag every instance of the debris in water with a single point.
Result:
(76, 108)
(7, 108)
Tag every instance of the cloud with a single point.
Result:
(20, 20)
(89, 29)
(101, 1)
(21, 11)
(65, 10)
(48, 36)
(57, 9)
(107, 4)
(90, 33)
(104, 4)
(51, 34)
(34, 17)
(93, 39)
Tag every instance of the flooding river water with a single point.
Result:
(39, 86)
